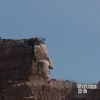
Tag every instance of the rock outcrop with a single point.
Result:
(19, 79)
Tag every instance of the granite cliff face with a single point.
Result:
(19, 79)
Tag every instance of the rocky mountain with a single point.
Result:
(19, 79)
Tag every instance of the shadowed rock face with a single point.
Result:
(16, 59)
(19, 79)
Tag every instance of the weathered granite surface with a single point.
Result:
(19, 79)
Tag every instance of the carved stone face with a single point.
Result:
(43, 67)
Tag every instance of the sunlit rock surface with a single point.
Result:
(19, 79)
